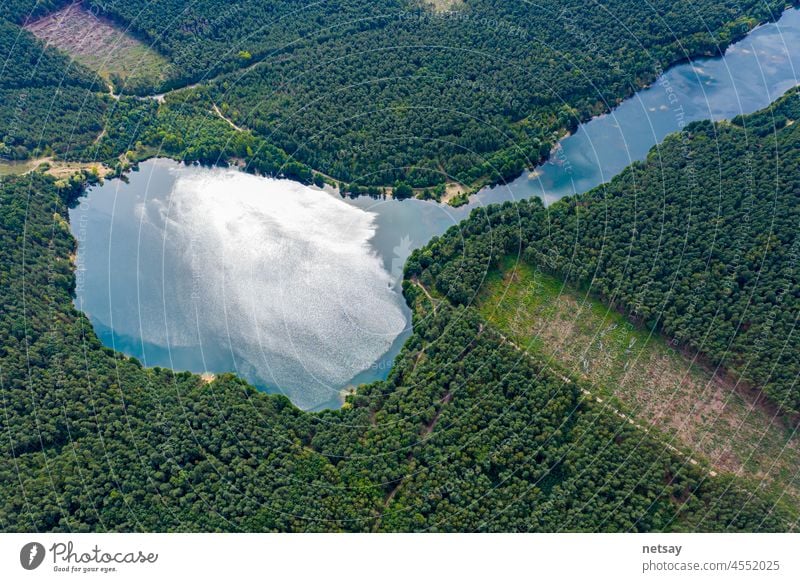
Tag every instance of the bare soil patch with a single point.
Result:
(442, 5)
(701, 409)
(100, 45)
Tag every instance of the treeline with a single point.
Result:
(23, 11)
(700, 241)
(374, 92)
(467, 434)
(378, 93)
(47, 102)
(185, 127)
(52, 106)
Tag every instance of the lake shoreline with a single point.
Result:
(402, 227)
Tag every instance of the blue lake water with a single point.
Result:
(297, 290)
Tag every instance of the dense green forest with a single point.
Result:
(472, 96)
(52, 106)
(466, 434)
(373, 92)
(47, 103)
(699, 241)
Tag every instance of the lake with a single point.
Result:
(298, 290)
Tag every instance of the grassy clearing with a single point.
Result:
(119, 58)
(17, 168)
(654, 381)
(56, 168)
(442, 5)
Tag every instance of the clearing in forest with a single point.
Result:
(97, 43)
(661, 386)
(442, 5)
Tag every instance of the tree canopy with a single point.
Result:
(374, 92)
(466, 434)
(699, 241)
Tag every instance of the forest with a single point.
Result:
(47, 104)
(374, 93)
(472, 96)
(467, 433)
(51, 106)
(699, 242)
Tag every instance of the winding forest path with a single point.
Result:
(225, 119)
